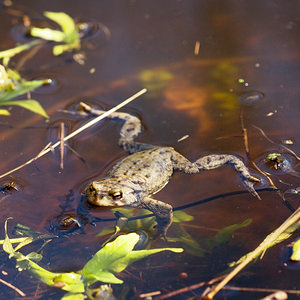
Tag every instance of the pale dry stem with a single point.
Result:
(74, 133)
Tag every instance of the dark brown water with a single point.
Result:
(248, 60)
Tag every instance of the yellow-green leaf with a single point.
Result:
(296, 251)
(7, 246)
(4, 112)
(73, 296)
(6, 54)
(181, 216)
(31, 105)
(47, 34)
(66, 23)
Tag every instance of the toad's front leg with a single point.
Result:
(163, 213)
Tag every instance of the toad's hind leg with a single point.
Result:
(214, 161)
(131, 128)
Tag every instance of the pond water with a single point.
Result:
(205, 64)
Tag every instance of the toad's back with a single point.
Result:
(150, 169)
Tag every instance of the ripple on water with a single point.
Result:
(89, 28)
(251, 97)
(268, 166)
(20, 32)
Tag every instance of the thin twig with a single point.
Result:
(197, 48)
(150, 294)
(190, 288)
(72, 134)
(246, 143)
(295, 217)
(62, 144)
(245, 135)
(13, 287)
(263, 290)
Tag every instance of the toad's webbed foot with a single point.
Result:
(214, 161)
(163, 213)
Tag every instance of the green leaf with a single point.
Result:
(21, 88)
(105, 277)
(31, 105)
(48, 34)
(66, 23)
(107, 258)
(25, 242)
(4, 80)
(72, 282)
(59, 49)
(296, 251)
(7, 54)
(34, 256)
(40, 273)
(7, 246)
(73, 296)
(115, 256)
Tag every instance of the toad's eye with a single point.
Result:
(116, 195)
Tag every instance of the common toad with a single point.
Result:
(135, 179)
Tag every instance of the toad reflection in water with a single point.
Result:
(148, 168)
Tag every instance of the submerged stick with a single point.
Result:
(12, 287)
(72, 134)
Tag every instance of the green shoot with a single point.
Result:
(69, 34)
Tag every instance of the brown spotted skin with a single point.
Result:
(148, 168)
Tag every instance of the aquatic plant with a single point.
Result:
(110, 260)
(12, 85)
